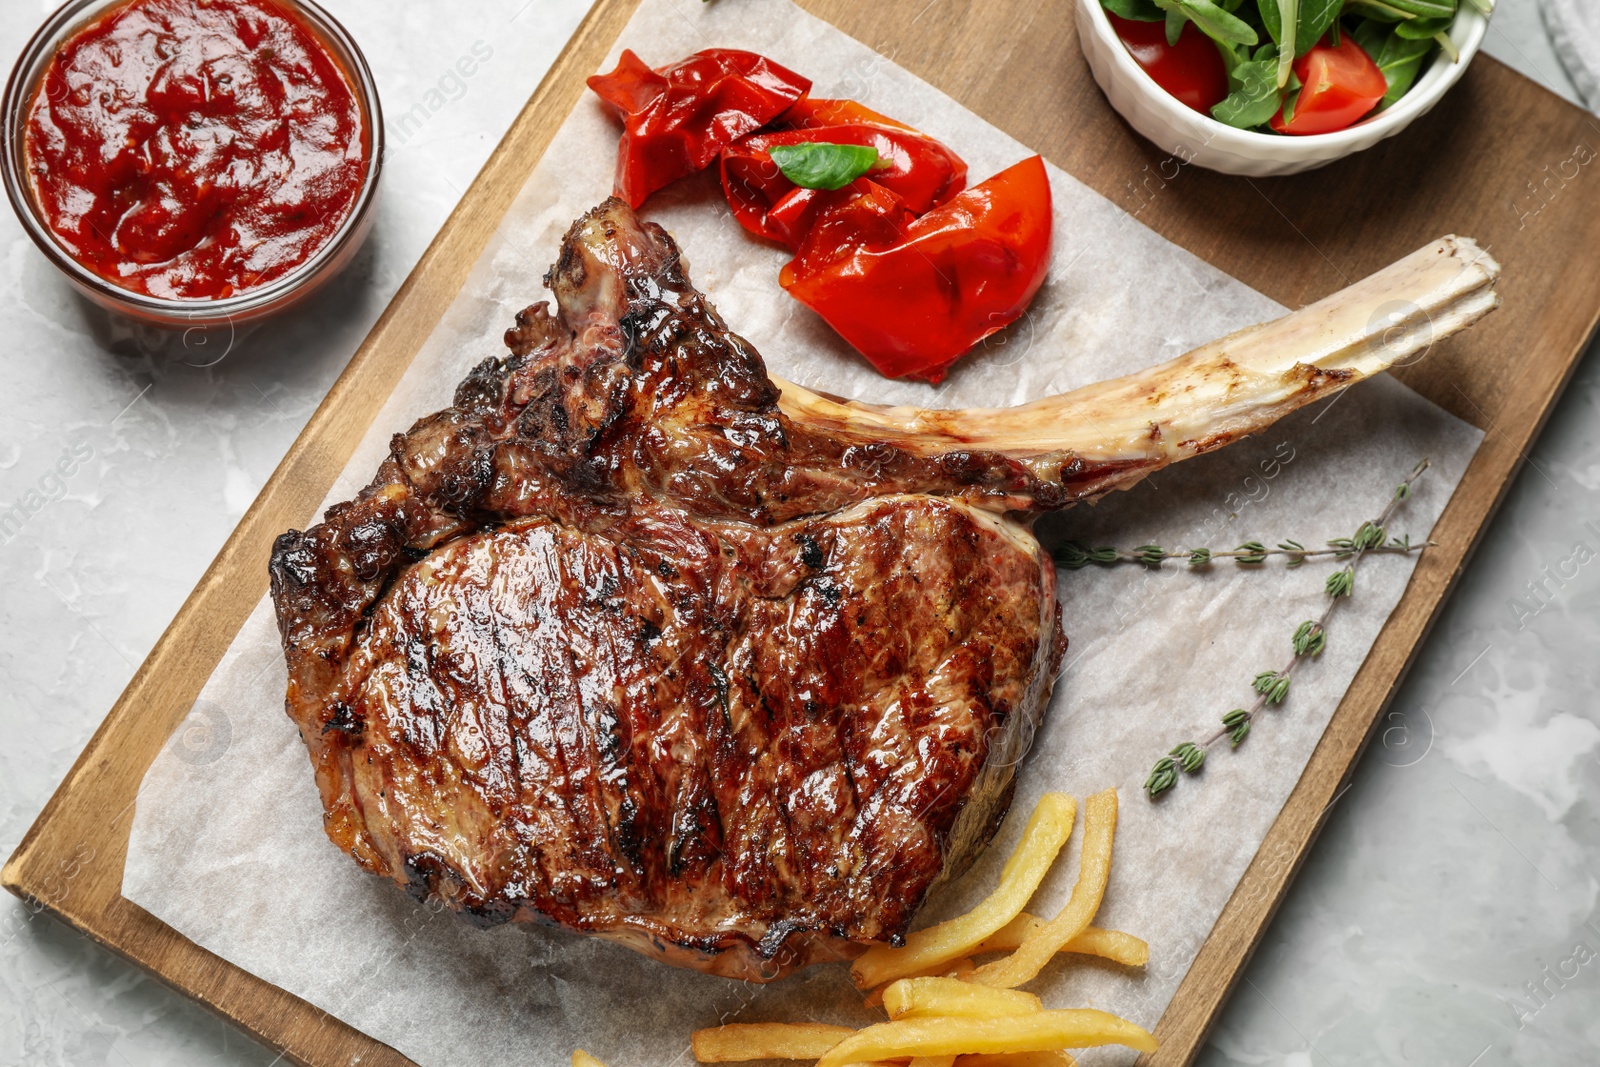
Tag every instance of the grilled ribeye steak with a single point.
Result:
(633, 640)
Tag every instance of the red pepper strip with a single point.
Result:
(921, 171)
(810, 112)
(677, 119)
(914, 294)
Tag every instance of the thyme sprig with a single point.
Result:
(1075, 556)
(1309, 640)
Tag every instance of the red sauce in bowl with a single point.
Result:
(195, 149)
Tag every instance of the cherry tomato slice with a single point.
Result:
(1191, 70)
(921, 171)
(914, 294)
(1340, 85)
(677, 119)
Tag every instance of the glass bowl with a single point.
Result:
(241, 307)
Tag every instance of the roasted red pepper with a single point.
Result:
(913, 294)
(908, 265)
(677, 119)
(921, 171)
(810, 112)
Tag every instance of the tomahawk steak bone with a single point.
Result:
(636, 640)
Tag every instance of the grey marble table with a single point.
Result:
(1448, 915)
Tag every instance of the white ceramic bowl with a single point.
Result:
(1200, 139)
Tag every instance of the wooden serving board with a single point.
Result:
(1500, 160)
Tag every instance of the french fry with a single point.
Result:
(944, 1011)
(581, 1058)
(1094, 868)
(1113, 945)
(921, 997)
(767, 1041)
(1035, 1032)
(951, 969)
(1055, 1058)
(1047, 830)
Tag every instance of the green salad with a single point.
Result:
(1287, 66)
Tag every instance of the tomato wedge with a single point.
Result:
(913, 294)
(1340, 85)
(921, 171)
(676, 120)
(1191, 70)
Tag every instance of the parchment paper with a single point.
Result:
(227, 845)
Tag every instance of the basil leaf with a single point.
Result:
(1316, 18)
(1399, 58)
(820, 165)
(1137, 10)
(1255, 97)
(1217, 24)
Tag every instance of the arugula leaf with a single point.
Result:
(1255, 97)
(1137, 10)
(1402, 74)
(821, 165)
(1399, 58)
(1175, 20)
(1371, 35)
(1217, 24)
(1291, 97)
(1422, 29)
(1250, 14)
(1232, 56)
(1282, 19)
(1425, 9)
(1317, 17)
(1272, 19)
(1376, 9)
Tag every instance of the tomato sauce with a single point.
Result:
(195, 149)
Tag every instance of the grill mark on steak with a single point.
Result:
(636, 650)
(633, 654)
